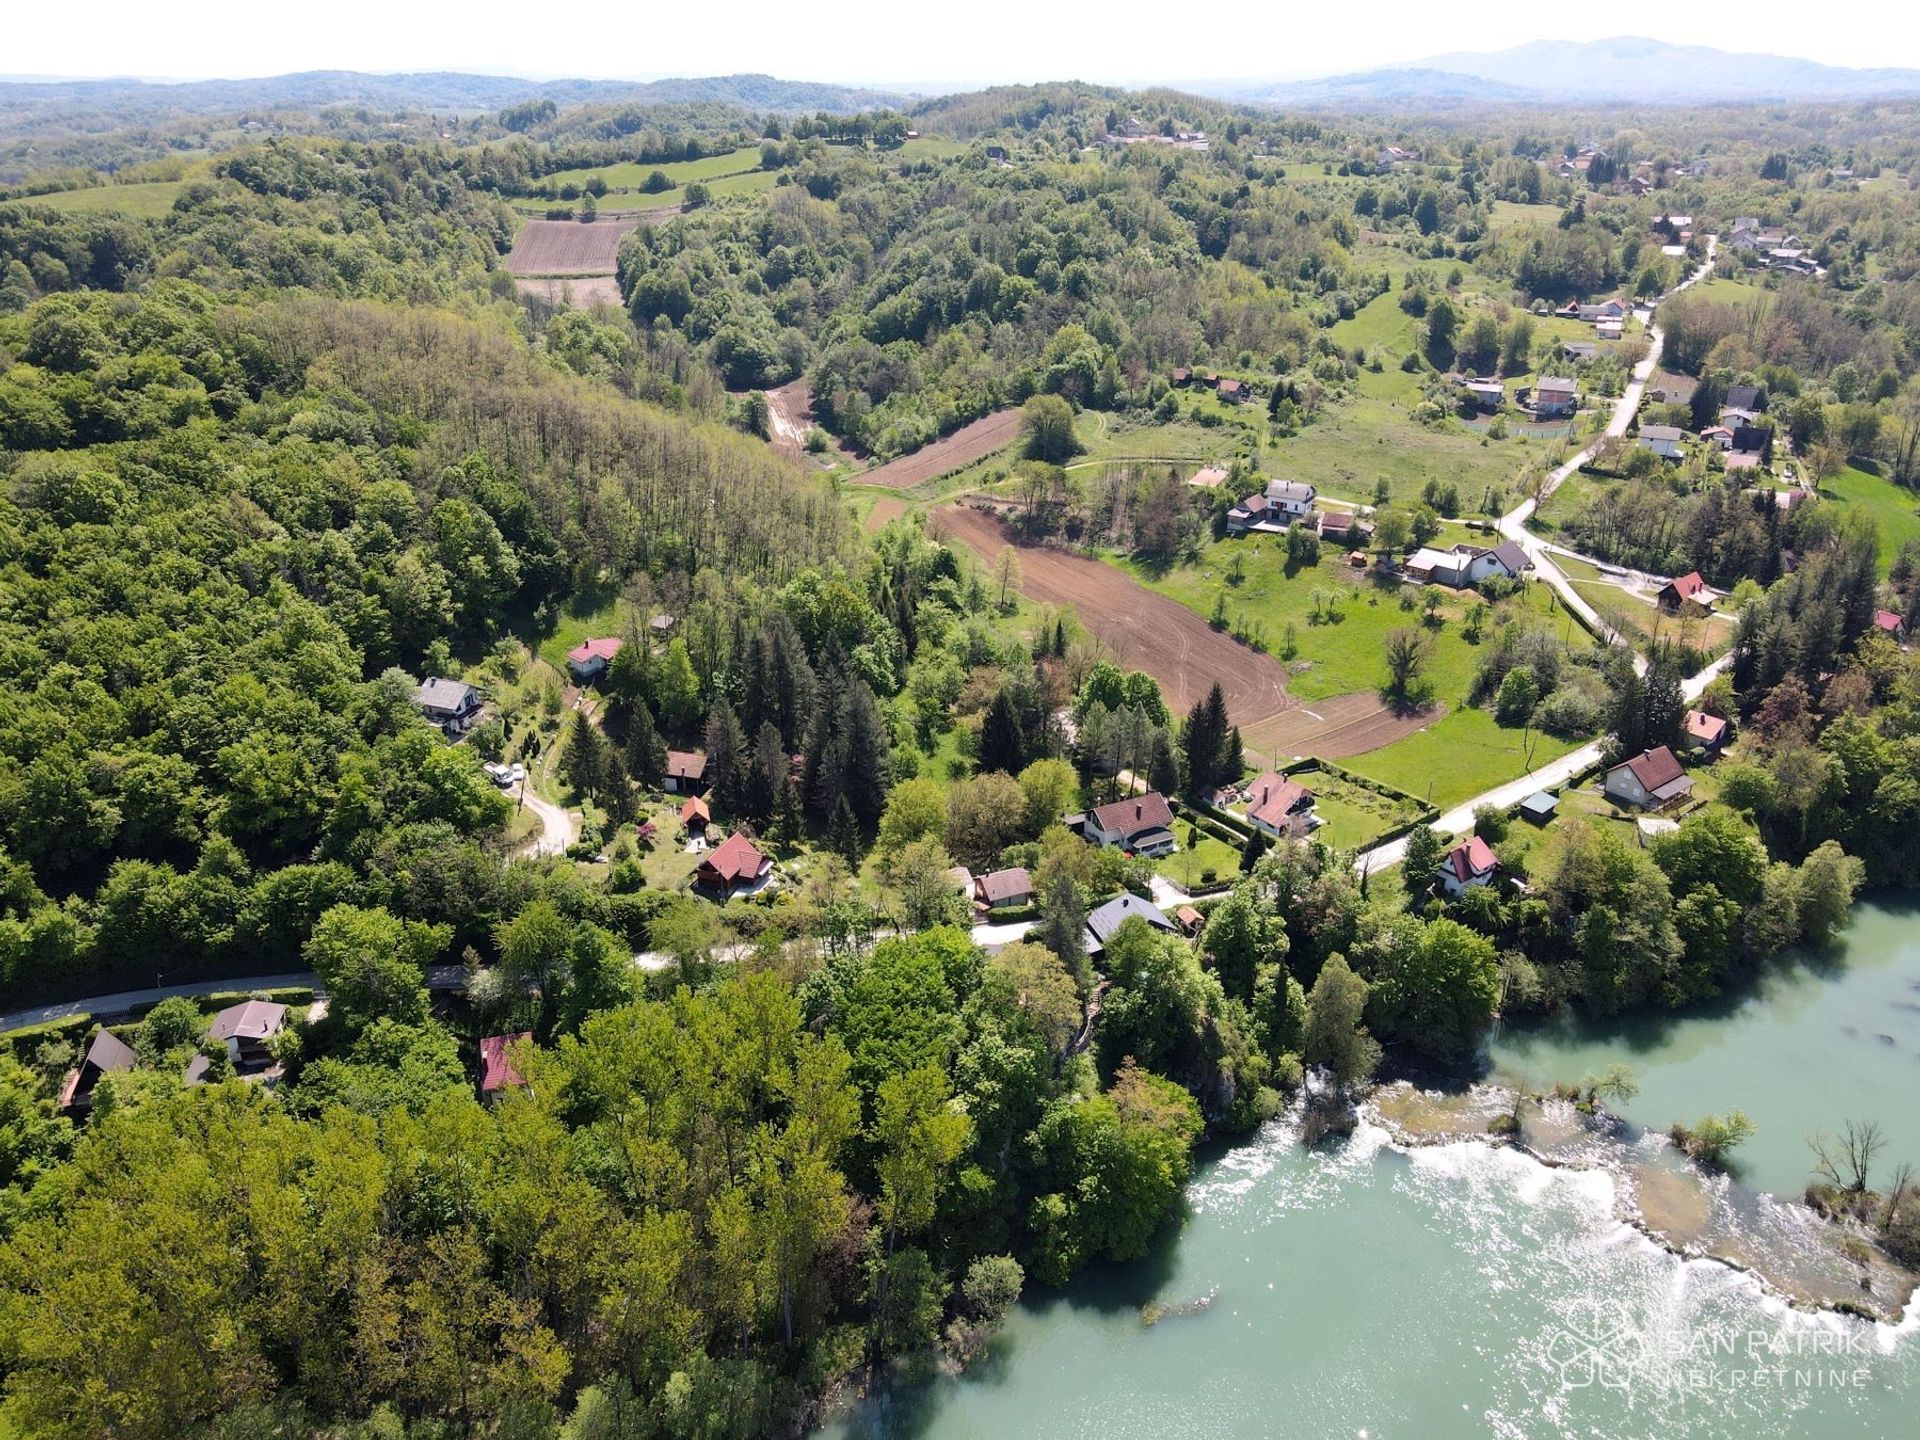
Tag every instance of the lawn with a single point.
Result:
(1457, 758)
(1188, 867)
(140, 202)
(1355, 816)
(1891, 508)
(632, 174)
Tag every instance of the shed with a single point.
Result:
(1539, 807)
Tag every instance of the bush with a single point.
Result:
(1567, 712)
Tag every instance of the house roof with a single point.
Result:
(1690, 587)
(1208, 476)
(736, 859)
(1704, 727)
(1556, 385)
(1111, 916)
(1888, 621)
(1189, 918)
(108, 1052)
(1659, 772)
(1135, 815)
(442, 694)
(1661, 432)
(686, 764)
(1579, 349)
(1471, 857)
(1510, 554)
(695, 809)
(1744, 397)
(1751, 437)
(1002, 885)
(1426, 558)
(496, 1071)
(1539, 803)
(1253, 505)
(249, 1020)
(1342, 522)
(1273, 797)
(603, 648)
(1295, 491)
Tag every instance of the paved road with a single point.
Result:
(1513, 525)
(126, 999)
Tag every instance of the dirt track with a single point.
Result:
(1149, 632)
(964, 446)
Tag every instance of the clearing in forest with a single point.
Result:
(568, 247)
(960, 449)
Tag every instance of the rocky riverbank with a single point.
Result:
(1808, 1260)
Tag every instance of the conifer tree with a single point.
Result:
(1002, 745)
(646, 751)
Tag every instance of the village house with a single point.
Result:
(1555, 395)
(106, 1055)
(1602, 310)
(1469, 864)
(1651, 780)
(1004, 887)
(1609, 329)
(1280, 806)
(1485, 394)
(695, 816)
(1579, 351)
(1666, 441)
(1686, 594)
(1888, 623)
(1142, 824)
(497, 1072)
(1465, 565)
(1275, 508)
(1704, 734)
(1718, 435)
(1748, 398)
(588, 661)
(736, 864)
(247, 1030)
(1180, 377)
(686, 772)
(450, 704)
(1343, 527)
(1108, 918)
(1751, 439)
(1208, 477)
(1233, 391)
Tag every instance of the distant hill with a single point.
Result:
(1626, 68)
(437, 91)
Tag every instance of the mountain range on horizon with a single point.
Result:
(1627, 68)
(1624, 69)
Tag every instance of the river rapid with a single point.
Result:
(1375, 1288)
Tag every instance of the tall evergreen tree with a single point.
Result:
(1164, 769)
(583, 764)
(646, 751)
(844, 834)
(1002, 745)
(727, 760)
(767, 778)
(1203, 741)
(869, 767)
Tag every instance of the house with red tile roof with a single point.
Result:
(686, 772)
(1003, 887)
(1687, 593)
(588, 661)
(1469, 864)
(1142, 824)
(736, 864)
(1888, 623)
(497, 1072)
(1279, 805)
(1705, 734)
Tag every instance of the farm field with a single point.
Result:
(580, 291)
(958, 450)
(568, 247)
(139, 202)
(1146, 630)
(1509, 214)
(1892, 508)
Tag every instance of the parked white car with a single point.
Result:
(516, 774)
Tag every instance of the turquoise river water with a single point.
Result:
(1368, 1291)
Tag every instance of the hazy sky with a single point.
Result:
(904, 44)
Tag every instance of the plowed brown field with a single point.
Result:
(1147, 631)
(568, 247)
(964, 446)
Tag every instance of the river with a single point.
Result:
(1458, 1290)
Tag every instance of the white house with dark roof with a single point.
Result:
(1275, 508)
(1108, 918)
(1650, 780)
(450, 704)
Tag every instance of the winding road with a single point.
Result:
(559, 829)
(1513, 525)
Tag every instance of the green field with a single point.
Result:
(1507, 214)
(1457, 758)
(1355, 816)
(1342, 651)
(1891, 508)
(138, 202)
(1188, 867)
